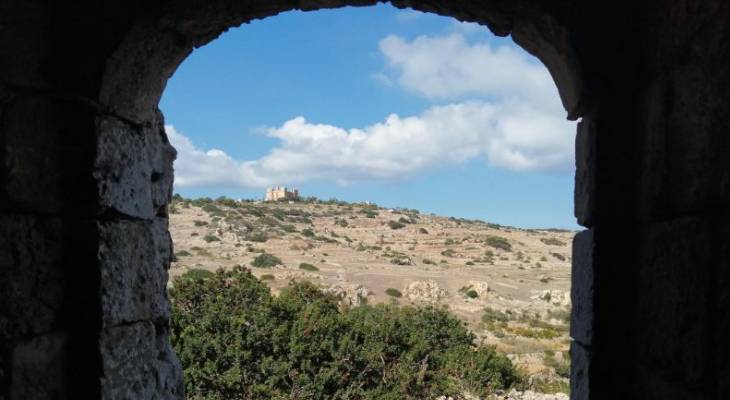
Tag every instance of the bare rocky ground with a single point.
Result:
(510, 285)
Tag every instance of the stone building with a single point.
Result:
(281, 193)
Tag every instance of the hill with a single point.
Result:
(510, 285)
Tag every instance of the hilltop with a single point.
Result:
(510, 285)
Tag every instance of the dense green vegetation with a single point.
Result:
(237, 341)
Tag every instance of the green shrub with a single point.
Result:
(237, 341)
(491, 315)
(552, 241)
(395, 225)
(448, 253)
(423, 231)
(257, 236)
(288, 228)
(306, 232)
(267, 221)
(392, 292)
(197, 274)
(428, 261)
(472, 294)
(308, 267)
(267, 277)
(266, 260)
(182, 253)
(211, 238)
(341, 222)
(498, 242)
(200, 223)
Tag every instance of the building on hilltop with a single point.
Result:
(281, 193)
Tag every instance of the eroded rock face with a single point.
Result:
(424, 291)
(350, 294)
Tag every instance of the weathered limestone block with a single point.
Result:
(138, 363)
(133, 260)
(38, 367)
(582, 287)
(133, 167)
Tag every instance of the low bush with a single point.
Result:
(395, 225)
(306, 232)
(558, 256)
(266, 260)
(267, 277)
(197, 274)
(552, 242)
(472, 294)
(200, 223)
(392, 292)
(182, 253)
(423, 231)
(257, 236)
(308, 267)
(448, 253)
(211, 238)
(491, 315)
(498, 242)
(289, 228)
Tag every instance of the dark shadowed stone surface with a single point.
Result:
(579, 372)
(43, 153)
(585, 180)
(31, 275)
(38, 368)
(581, 288)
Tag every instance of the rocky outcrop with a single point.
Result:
(424, 291)
(554, 296)
(530, 395)
(350, 294)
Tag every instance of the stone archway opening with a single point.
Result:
(194, 250)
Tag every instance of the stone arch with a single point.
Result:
(136, 72)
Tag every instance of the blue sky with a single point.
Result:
(393, 106)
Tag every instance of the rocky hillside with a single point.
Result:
(510, 285)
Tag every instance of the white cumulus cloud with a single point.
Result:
(449, 67)
(500, 106)
(509, 135)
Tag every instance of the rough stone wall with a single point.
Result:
(86, 173)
